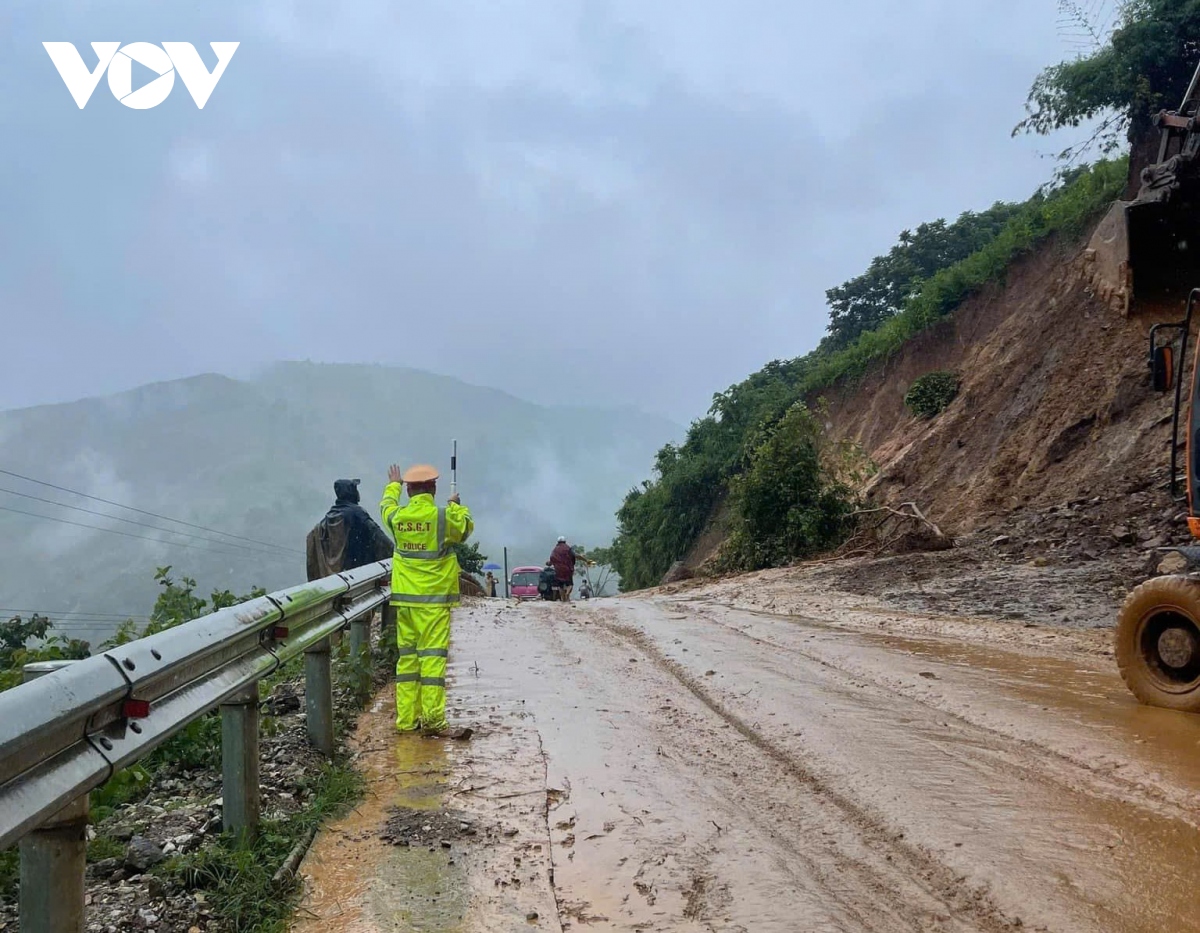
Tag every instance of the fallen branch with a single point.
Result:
(915, 513)
(287, 871)
(894, 529)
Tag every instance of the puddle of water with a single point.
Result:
(498, 875)
(1164, 740)
(1160, 740)
(357, 883)
(1108, 853)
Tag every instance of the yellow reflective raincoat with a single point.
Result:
(425, 587)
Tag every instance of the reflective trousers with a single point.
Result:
(423, 639)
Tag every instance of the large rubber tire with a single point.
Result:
(1158, 643)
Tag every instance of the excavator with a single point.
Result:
(1148, 255)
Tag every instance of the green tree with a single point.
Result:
(600, 556)
(16, 651)
(604, 559)
(177, 603)
(470, 559)
(1144, 67)
(866, 301)
(788, 505)
(17, 632)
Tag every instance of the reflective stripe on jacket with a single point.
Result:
(425, 571)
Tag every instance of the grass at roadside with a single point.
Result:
(238, 881)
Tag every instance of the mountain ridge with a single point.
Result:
(257, 457)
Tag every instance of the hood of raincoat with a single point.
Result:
(346, 490)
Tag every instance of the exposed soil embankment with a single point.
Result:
(1055, 405)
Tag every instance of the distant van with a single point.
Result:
(524, 582)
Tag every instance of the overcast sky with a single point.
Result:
(602, 201)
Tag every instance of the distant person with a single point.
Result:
(347, 537)
(563, 560)
(489, 582)
(548, 582)
(585, 589)
(425, 587)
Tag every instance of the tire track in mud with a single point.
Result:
(559, 911)
(707, 893)
(673, 877)
(867, 904)
(944, 886)
(1070, 772)
(868, 615)
(703, 893)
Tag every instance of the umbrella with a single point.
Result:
(492, 566)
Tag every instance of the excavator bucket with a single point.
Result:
(1147, 250)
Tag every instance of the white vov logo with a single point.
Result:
(118, 59)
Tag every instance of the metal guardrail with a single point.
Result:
(65, 733)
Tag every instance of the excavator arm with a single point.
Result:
(1147, 252)
(1168, 355)
(1148, 249)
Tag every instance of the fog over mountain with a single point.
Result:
(257, 457)
(666, 187)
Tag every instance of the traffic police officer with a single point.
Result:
(425, 588)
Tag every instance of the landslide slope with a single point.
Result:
(1055, 402)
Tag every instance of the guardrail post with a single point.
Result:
(54, 858)
(387, 634)
(239, 763)
(318, 695)
(360, 639)
(387, 624)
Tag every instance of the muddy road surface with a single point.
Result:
(688, 762)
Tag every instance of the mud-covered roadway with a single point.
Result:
(693, 761)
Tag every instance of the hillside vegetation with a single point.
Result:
(917, 284)
(928, 274)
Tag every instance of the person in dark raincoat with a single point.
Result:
(347, 537)
(563, 559)
(546, 582)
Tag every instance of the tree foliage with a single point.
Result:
(864, 302)
(660, 520)
(1144, 67)
(600, 569)
(787, 502)
(18, 632)
(929, 395)
(177, 603)
(1081, 195)
(600, 556)
(470, 560)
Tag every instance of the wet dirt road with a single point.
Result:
(674, 763)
